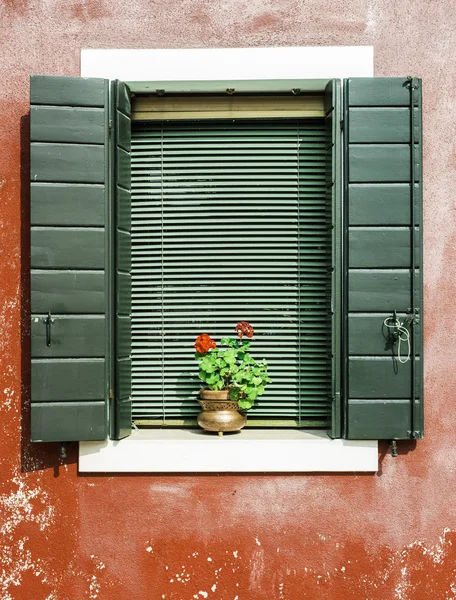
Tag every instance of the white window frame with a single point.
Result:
(190, 451)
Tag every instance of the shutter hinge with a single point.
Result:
(413, 317)
(411, 83)
(111, 395)
(110, 126)
(341, 125)
(415, 435)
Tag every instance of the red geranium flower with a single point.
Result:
(204, 343)
(244, 328)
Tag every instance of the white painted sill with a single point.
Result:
(249, 451)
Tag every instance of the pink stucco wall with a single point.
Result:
(384, 536)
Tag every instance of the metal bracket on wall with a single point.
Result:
(63, 449)
(393, 448)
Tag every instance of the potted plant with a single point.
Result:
(233, 380)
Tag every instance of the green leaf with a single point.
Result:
(234, 394)
(230, 356)
(245, 404)
(214, 378)
(208, 365)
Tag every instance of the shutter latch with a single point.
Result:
(398, 332)
(48, 322)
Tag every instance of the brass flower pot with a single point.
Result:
(219, 413)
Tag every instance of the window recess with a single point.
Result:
(229, 222)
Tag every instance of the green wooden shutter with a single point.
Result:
(383, 261)
(334, 247)
(122, 186)
(229, 223)
(68, 132)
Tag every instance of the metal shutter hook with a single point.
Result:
(48, 322)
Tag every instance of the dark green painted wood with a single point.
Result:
(123, 209)
(377, 91)
(122, 187)
(124, 417)
(334, 239)
(66, 380)
(68, 129)
(122, 95)
(379, 163)
(67, 248)
(123, 294)
(381, 204)
(123, 169)
(67, 91)
(380, 247)
(378, 419)
(67, 204)
(67, 124)
(124, 251)
(379, 389)
(381, 125)
(379, 377)
(72, 163)
(379, 290)
(66, 422)
(123, 337)
(68, 292)
(71, 337)
(369, 336)
(330, 98)
(124, 378)
(123, 132)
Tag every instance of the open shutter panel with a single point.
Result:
(68, 131)
(122, 186)
(334, 236)
(384, 258)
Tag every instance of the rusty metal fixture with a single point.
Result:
(219, 413)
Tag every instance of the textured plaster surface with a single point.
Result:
(386, 536)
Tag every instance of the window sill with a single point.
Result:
(194, 451)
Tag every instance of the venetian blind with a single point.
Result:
(228, 224)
